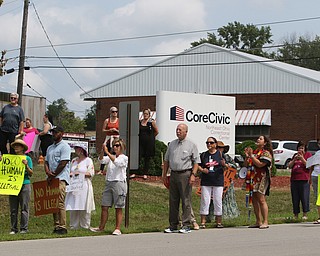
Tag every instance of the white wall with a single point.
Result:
(205, 115)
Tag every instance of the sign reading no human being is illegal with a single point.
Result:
(12, 172)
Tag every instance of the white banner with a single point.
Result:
(76, 183)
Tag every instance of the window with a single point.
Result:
(291, 146)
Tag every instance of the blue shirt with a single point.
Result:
(56, 153)
(11, 116)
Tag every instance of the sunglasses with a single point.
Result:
(117, 145)
(210, 142)
(13, 98)
(114, 111)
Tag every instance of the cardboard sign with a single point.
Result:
(229, 176)
(11, 174)
(76, 183)
(46, 197)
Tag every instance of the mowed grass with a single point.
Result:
(148, 211)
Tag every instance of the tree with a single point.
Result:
(90, 118)
(303, 52)
(247, 38)
(61, 115)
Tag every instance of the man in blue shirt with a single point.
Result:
(57, 166)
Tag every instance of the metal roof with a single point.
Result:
(210, 69)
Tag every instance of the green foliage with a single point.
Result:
(90, 118)
(248, 38)
(61, 115)
(156, 161)
(303, 52)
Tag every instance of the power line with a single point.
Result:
(56, 53)
(163, 35)
(175, 65)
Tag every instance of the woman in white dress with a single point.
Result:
(80, 200)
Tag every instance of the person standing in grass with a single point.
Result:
(314, 179)
(260, 160)
(23, 198)
(57, 166)
(182, 158)
(116, 184)
(299, 181)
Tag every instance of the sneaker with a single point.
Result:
(171, 230)
(23, 232)
(116, 232)
(61, 231)
(12, 232)
(185, 230)
(132, 176)
(304, 218)
(96, 230)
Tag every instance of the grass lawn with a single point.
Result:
(148, 211)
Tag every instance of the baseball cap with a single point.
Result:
(57, 128)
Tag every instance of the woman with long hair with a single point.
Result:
(46, 135)
(261, 161)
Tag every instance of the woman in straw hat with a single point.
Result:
(23, 198)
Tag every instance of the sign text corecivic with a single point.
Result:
(212, 117)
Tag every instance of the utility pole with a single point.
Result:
(22, 49)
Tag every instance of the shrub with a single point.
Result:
(156, 161)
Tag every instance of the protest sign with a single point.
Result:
(28, 139)
(229, 176)
(76, 183)
(11, 174)
(318, 200)
(46, 197)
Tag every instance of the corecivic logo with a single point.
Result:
(177, 114)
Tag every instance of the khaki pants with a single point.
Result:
(60, 218)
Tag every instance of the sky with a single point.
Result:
(126, 29)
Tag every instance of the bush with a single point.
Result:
(156, 161)
(250, 143)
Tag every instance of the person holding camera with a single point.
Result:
(300, 177)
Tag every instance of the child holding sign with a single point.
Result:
(23, 198)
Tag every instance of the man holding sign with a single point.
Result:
(57, 166)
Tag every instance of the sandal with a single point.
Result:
(254, 226)
(317, 221)
(219, 225)
(202, 226)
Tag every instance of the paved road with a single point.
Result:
(285, 239)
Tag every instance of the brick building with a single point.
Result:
(287, 93)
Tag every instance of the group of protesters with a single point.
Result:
(182, 164)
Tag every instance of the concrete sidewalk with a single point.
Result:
(285, 239)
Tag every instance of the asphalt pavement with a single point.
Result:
(284, 239)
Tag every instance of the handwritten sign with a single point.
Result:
(229, 176)
(11, 174)
(28, 139)
(318, 200)
(76, 183)
(46, 197)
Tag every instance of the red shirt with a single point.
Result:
(299, 170)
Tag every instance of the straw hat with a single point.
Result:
(220, 144)
(20, 142)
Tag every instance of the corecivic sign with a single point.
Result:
(205, 115)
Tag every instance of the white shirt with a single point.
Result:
(316, 168)
(116, 171)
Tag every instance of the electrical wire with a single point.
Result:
(56, 53)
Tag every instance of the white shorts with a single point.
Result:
(206, 193)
